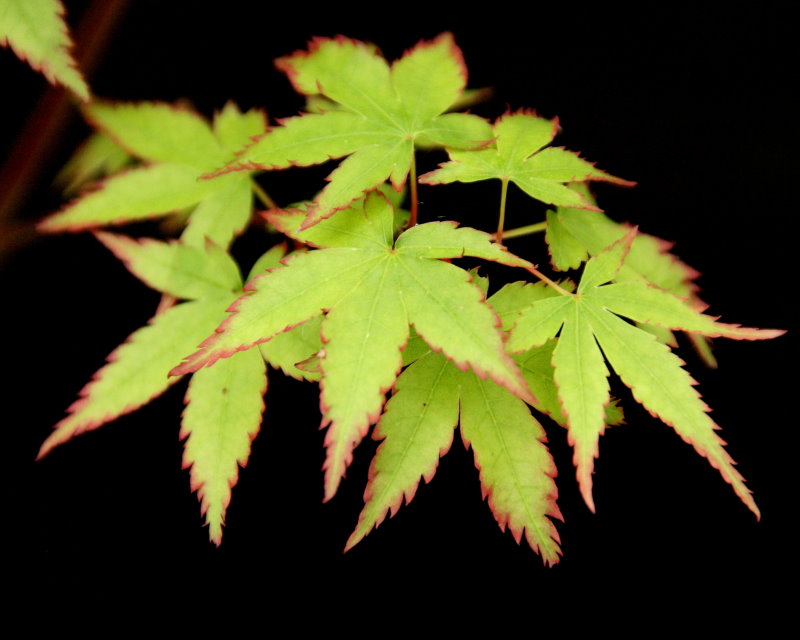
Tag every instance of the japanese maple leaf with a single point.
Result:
(521, 155)
(432, 396)
(382, 111)
(224, 405)
(37, 33)
(371, 289)
(589, 322)
(178, 146)
(574, 234)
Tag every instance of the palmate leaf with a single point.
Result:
(224, 403)
(574, 234)
(381, 111)
(431, 397)
(371, 290)
(180, 146)
(588, 323)
(520, 155)
(37, 33)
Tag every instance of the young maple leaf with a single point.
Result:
(224, 403)
(520, 155)
(381, 112)
(180, 146)
(431, 397)
(573, 235)
(37, 33)
(654, 374)
(371, 289)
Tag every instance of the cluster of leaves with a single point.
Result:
(369, 301)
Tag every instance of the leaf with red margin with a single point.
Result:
(224, 404)
(649, 259)
(516, 469)
(588, 323)
(182, 146)
(223, 415)
(520, 155)
(382, 111)
(372, 290)
(36, 32)
(137, 370)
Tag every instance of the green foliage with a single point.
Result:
(370, 301)
(37, 33)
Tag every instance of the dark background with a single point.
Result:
(693, 105)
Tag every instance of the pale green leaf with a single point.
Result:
(363, 333)
(416, 429)
(447, 240)
(518, 157)
(177, 269)
(515, 467)
(382, 113)
(222, 215)
(311, 283)
(371, 295)
(235, 129)
(138, 194)
(160, 132)
(657, 380)
(583, 390)
(566, 252)
(137, 371)
(647, 304)
(222, 416)
(538, 323)
(37, 33)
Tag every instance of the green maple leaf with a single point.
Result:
(37, 33)
(224, 403)
(588, 323)
(432, 396)
(380, 113)
(520, 155)
(371, 289)
(179, 146)
(574, 234)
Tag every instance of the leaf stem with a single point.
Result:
(262, 195)
(526, 230)
(501, 220)
(549, 282)
(412, 221)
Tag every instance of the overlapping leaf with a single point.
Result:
(431, 397)
(573, 235)
(588, 322)
(37, 33)
(521, 155)
(224, 404)
(180, 146)
(372, 289)
(381, 111)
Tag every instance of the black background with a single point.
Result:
(694, 105)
